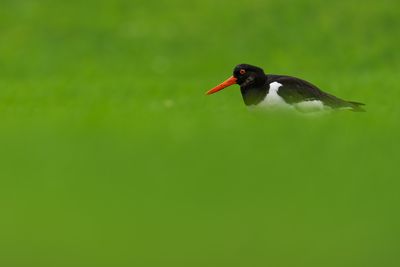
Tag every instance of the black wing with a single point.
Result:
(295, 90)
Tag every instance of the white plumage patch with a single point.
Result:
(274, 101)
(310, 105)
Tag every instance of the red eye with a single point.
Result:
(242, 71)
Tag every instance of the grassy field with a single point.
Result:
(111, 155)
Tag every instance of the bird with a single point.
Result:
(282, 91)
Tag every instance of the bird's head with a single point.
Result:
(244, 75)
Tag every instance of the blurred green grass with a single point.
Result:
(112, 156)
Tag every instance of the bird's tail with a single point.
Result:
(356, 106)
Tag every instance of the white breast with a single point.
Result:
(273, 100)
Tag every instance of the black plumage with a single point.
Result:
(255, 86)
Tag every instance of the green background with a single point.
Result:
(111, 155)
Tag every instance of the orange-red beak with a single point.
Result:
(232, 80)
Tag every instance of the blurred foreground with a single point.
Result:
(112, 156)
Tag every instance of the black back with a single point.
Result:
(294, 90)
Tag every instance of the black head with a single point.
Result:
(248, 75)
(244, 75)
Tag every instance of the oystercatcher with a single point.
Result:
(268, 90)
